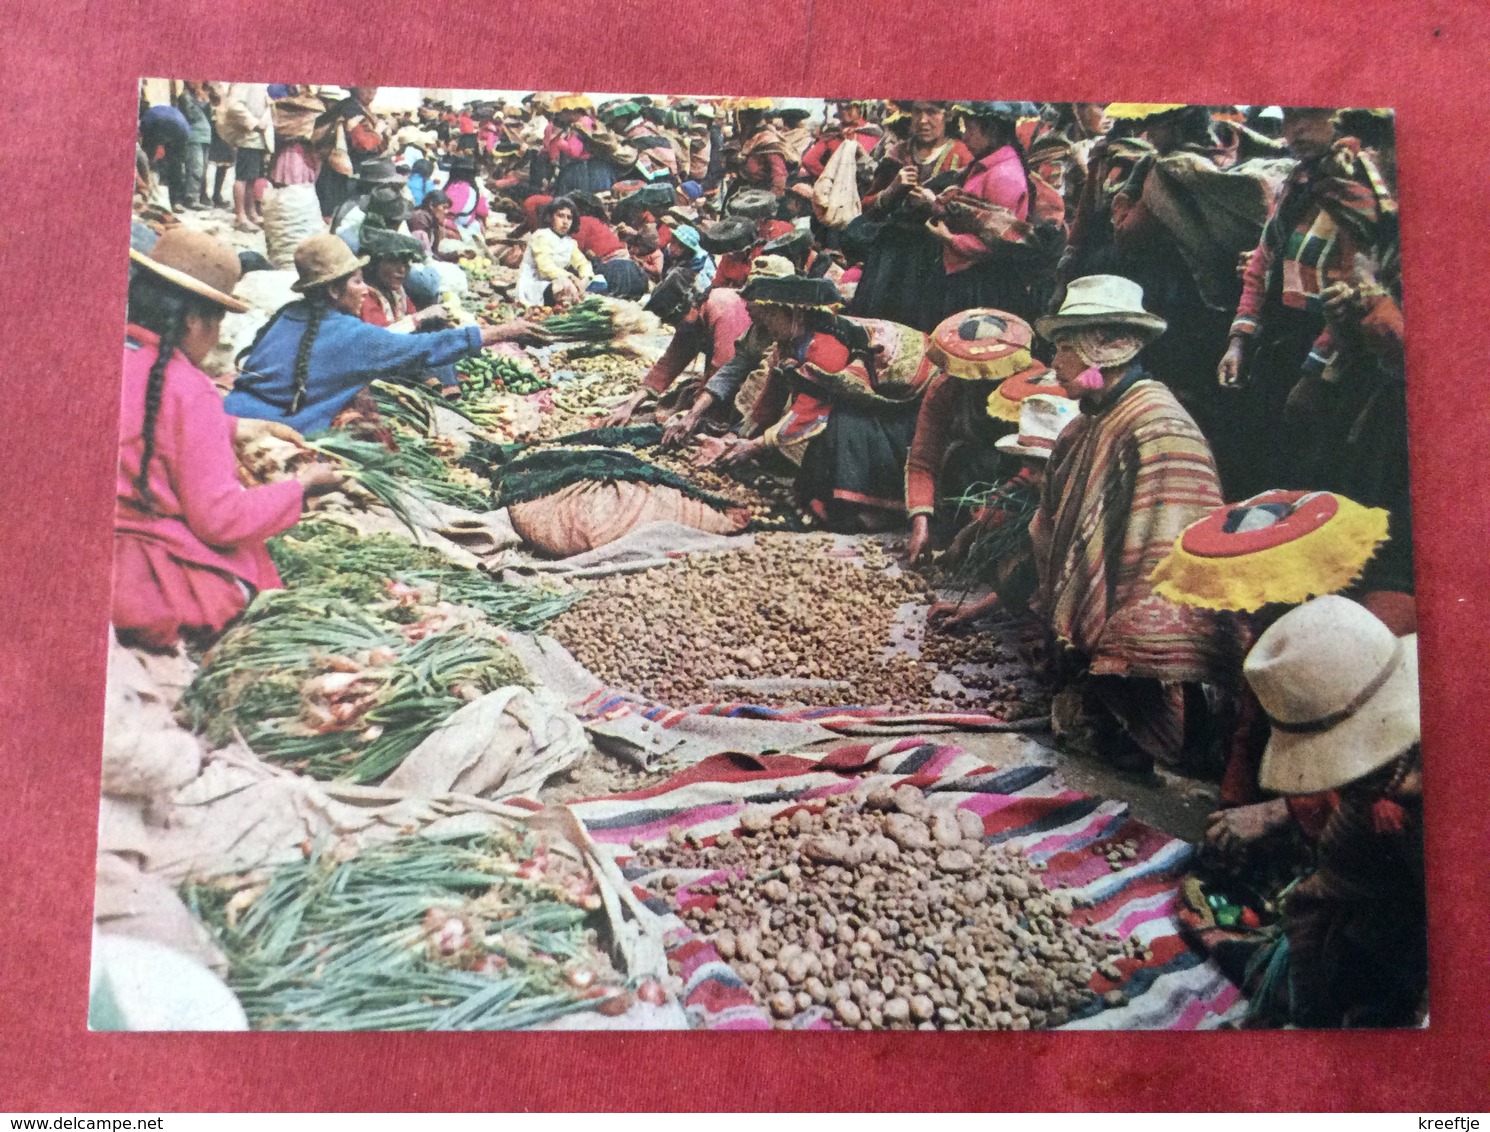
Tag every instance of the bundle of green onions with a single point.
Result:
(393, 477)
(588, 321)
(319, 685)
(377, 571)
(1002, 514)
(411, 406)
(484, 932)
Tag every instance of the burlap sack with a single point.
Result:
(292, 215)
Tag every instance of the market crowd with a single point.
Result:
(1144, 363)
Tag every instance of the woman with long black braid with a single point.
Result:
(315, 355)
(188, 537)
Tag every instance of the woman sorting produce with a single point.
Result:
(188, 537)
(953, 450)
(839, 400)
(315, 355)
(554, 271)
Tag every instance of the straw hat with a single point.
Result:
(1042, 418)
(195, 262)
(572, 102)
(1277, 547)
(984, 344)
(324, 259)
(1102, 300)
(771, 267)
(1340, 691)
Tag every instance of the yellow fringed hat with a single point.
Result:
(1278, 547)
(983, 344)
(1138, 111)
(571, 102)
(1004, 402)
(736, 104)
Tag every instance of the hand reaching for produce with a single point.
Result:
(320, 479)
(949, 615)
(920, 536)
(621, 414)
(683, 426)
(1230, 832)
(247, 430)
(724, 451)
(518, 330)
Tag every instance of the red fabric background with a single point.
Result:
(69, 98)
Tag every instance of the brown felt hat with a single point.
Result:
(196, 262)
(324, 259)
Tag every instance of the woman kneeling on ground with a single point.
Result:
(189, 539)
(839, 401)
(314, 356)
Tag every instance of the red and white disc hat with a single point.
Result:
(1042, 419)
(1280, 547)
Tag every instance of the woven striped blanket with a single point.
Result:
(609, 703)
(1026, 806)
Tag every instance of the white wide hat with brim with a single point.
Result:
(1340, 691)
(1042, 419)
(1102, 300)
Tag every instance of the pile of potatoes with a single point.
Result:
(785, 622)
(887, 910)
(770, 502)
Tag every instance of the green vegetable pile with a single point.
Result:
(589, 321)
(487, 373)
(485, 932)
(347, 671)
(414, 470)
(328, 690)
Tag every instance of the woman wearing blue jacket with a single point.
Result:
(315, 355)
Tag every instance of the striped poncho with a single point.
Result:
(1123, 482)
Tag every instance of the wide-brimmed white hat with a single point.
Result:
(1042, 418)
(1340, 691)
(1102, 300)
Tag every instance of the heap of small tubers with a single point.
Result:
(887, 910)
(732, 626)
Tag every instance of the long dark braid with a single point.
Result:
(162, 308)
(316, 309)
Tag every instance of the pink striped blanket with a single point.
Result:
(1026, 806)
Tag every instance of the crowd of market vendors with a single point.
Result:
(1176, 329)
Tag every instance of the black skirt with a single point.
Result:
(858, 462)
(903, 280)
